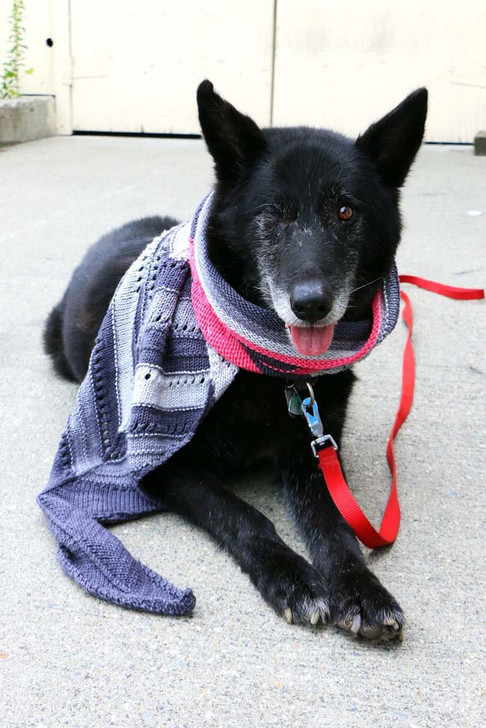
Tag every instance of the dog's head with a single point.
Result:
(306, 221)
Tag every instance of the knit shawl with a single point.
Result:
(171, 343)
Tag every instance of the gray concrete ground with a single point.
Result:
(70, 660)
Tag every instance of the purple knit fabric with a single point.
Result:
(151, 379)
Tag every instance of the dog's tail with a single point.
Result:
(54, 343)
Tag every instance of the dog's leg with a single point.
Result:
(286, 580)
(358, 600)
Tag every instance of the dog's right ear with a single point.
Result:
(234, 140)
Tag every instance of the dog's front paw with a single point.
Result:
(361, 604)
(294, 588)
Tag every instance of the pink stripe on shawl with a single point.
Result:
(230, 345)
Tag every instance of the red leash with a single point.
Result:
(329, 461)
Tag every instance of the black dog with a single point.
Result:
(304, 221)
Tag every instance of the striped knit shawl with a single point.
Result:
(172, 341)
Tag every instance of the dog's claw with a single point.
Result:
(325, 616)
(352, 623)
(288, 615)
(314, 618)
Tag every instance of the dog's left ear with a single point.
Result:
(233, 139)
(394, 141)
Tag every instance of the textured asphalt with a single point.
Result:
(67, 659)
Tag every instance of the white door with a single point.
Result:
(136, 65)
(343, 64)
(127, 66)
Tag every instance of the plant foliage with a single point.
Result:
(10, 78)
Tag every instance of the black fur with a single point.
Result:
(72, 325)
(275, 231)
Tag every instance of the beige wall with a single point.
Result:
(140, 68)
(343, 65)
(124, 66)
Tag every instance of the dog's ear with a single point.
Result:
(233, 139)
(394, 141)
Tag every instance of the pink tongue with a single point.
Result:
(312, 340)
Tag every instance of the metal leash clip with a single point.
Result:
(294, 398)
(310, 410)
(308, 407)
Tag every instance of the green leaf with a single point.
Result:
(15, 56)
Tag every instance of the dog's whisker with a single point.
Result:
(370, 283)
(253, 209)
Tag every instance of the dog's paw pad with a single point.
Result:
(375, 629)
(386, 627)
(361, 605)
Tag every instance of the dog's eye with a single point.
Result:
(345, 213)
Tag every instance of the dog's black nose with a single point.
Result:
(311, 301)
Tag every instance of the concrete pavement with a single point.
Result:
(67, 659)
